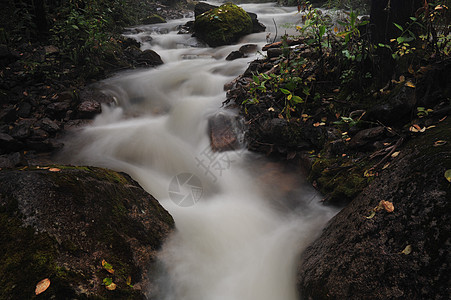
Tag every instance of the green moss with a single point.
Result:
(33, 253)
(153, 19)
(338, 179)
(223, 25)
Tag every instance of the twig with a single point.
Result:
(275, 25)
(394, 147)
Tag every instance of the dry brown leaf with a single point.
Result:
(395, 154)
(387, 205)
(111, 287)
(54, 170)
(42, 286)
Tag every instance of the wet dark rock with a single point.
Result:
(367, 136)
(49, 125)
(12, 160)
(235, 55)
(88, 109)
(40, 145)
(22, 129)
(153, 19)
(39, 134)
(281, 136)
(399, 255)
(58, 109)
(274, 52)
(77, 123)
(395, 110)
(24, 110)
(8, 114)
(150, 58)
(225, 131)
(8, 143)
(256, 25)
(248, 48)
(202, 7)
(62, 223)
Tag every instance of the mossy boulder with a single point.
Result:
(60, 223)
(365, 253)
(153, 19)
(223, 25)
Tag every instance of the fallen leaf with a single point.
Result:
(407, 250)
(372, 214)
(271, 109)
(402, 78)
(416, 128)
(336, 90)
(54, 170)
(107, 281)
(107, 266)
(410, 69)
(42, 286)
(430, 127)
(448, 175)
(409, 84)
(395, 154)
(111, 287)
(129, 280)
(386, 166)
(387, 205)
(439, 143)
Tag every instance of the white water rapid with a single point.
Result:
(244, 220)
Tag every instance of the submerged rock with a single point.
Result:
(64, 223)
(369, 253)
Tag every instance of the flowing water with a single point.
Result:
(241, 220)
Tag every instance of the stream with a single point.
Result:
(242, 220)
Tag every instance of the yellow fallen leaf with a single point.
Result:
(42, 286)
(54, 170)
(395, 154)
(386, 166)
(111, 287)
(409, 84)
(129, 280)
(448, 175)
(407, 250)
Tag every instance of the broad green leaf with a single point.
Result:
(286, 92)
(297, 99)
(107, 281)
(398, 26)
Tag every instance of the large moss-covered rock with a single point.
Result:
(223, 25)
(404, 254)
(61, 223)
